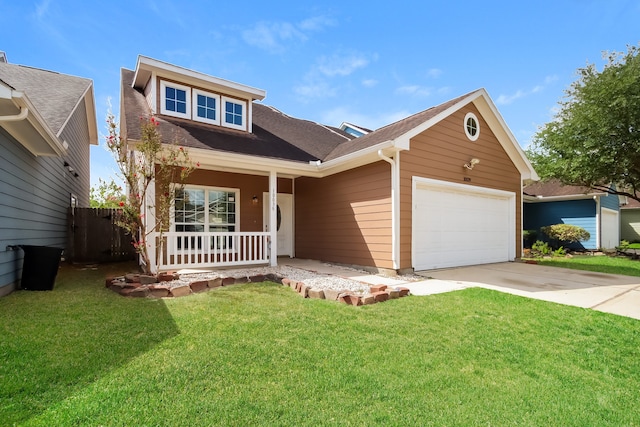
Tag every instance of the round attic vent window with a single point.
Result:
(471, 126)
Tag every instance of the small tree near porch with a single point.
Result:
(149, 161)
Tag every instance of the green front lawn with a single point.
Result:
(602, 264)
(258, 354)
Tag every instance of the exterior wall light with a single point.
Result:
(471, 163)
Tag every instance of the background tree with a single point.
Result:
(594, 139)
(107, 194)
(152, 161)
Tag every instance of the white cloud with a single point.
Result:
(275, 36)
(317, 81)
(434, 73)
(521, 93)
(315, 89)
(508, 99)
(414, 90)
(41, 9)
(340, 64)
(550, 79)
(316, 23)
(369, 82)
(272, 36)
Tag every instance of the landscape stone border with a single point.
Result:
(147, 286)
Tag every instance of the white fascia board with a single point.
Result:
(164, 69)
(535, 199)
(403, 140)
(253, 165)
(35, 119)
(345, 125)
(241, 163)
(508, 141)
(497, 124)
(90, 111)
(354, 160)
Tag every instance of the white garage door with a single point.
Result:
(456, 224)
(610, 234)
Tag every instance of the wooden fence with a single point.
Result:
(94, 237)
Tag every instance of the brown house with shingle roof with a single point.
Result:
(437, 189)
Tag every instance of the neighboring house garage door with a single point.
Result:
(456, 224)
(610, 229)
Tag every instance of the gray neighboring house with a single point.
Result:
(47, 124)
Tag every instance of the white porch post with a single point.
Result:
(150, 220)
(273, 218)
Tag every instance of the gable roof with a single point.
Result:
(279, 136)
(146, 66)
(390, 132)
(54, 95)
(275, 135)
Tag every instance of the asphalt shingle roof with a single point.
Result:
(275, 134)
(554, 187)
(53, 94)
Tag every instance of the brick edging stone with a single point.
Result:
(138, 285)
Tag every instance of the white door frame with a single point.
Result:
(420, 182)
(602, 242)
(290, 239)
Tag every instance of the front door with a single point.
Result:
(284, 222)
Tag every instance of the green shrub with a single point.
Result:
(560, 252)
(540, 248)
(566, 233)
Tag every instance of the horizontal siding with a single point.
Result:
(610, 201)
(346, 218)
(439, 153)
(34, 199)
(251, 216)
(76, 133)
(630, 225)
(575, 212)
(35, 193)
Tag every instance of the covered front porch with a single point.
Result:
(223, 219)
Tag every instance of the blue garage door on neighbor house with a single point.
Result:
(576, 212)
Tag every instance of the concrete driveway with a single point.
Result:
(610, 293)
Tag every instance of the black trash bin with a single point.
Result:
(40, 267)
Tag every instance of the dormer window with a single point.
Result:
(175, 100)
(234, 113)
(207, 106)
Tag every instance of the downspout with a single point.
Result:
(598, 219)
(395, 205)
(24, 111)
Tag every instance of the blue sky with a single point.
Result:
(369, 63)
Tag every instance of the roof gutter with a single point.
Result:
(24, 112)
(395, 205)
(534, 199)
(29, 113)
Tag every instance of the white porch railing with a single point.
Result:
(214, 249)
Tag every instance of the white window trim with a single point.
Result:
(206, 198)
(223, 111)
(163, 91)
(466, 131)
(194, 102)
